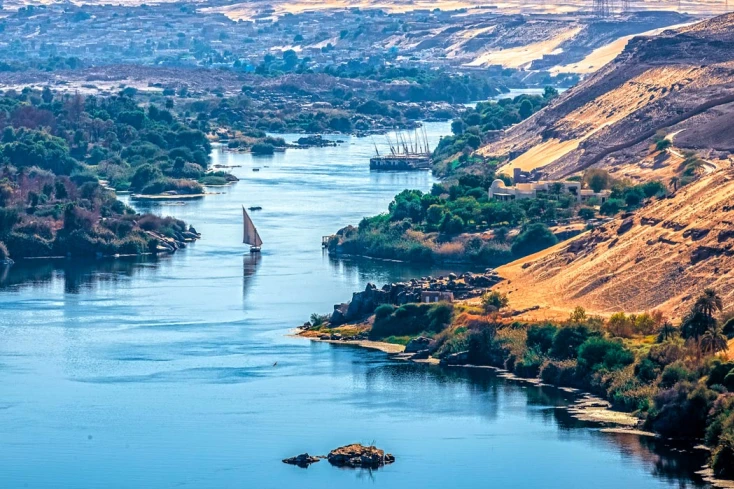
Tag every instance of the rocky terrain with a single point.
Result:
(657, 84)
(465, 286)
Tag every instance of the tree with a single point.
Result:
(714, 341)
(457, 127)
(526, 109)
(534, 238)
(587, 213)
(597, 179)
(667, 331)
(674, 182)
(494, 301)
(578, 315)
(701, 318)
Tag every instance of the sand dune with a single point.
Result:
(522, 56)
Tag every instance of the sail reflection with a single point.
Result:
(250, 264)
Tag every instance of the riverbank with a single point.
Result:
(644, 377)
(586, 406)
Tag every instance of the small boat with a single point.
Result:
(250, 234)
(256, 169)
(255, 208)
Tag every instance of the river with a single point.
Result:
(179, 372)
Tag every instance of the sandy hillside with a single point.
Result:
(661, 257)
(657, 84)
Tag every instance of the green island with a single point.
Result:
(62, 155)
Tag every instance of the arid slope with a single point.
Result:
(661, 257)
(675, 82)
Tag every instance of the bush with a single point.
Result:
(494, 301)
(540, 337)
(213, 180)
(560, 373)
(262, 149)
(596, 353)
(568, 340)
(534, 238)
(411, 319)
(722, 460)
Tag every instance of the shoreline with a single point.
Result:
(586, 406)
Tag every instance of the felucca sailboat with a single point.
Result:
(251, 236)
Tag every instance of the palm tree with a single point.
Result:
(667, 330)
(713, 341)
(709, 303)
(701, 318)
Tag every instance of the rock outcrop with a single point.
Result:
(302, 460)
(359, 456)
(463, 286)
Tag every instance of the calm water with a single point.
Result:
(160, 374)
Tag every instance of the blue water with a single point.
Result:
(179, 372)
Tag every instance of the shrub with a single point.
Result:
(561, 373)
(722, 460)
(213, 180)
(596, 353)
(534, 238)
(494, 301)
(540, 337)
(411, 319)
(262, 149)
(568, 340)
(675, 373)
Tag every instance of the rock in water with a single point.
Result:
(302, 460)
(359, 456)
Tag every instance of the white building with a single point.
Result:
(532, 190)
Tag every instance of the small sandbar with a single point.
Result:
(628, 431)
(169, 196)
(708, 475)
(597, 410)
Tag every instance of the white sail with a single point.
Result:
(251, 236)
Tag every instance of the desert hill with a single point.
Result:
(680, 82)
(660, 257)
(665, 254)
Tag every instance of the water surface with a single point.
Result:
(179, 372)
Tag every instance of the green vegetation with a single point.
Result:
(473, 128)
(53, 150)
(460, 223)
(676, 383)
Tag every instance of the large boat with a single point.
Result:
(406, 153)
(250, 235)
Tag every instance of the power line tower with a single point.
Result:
(603, 8)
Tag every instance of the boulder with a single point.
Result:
(625, 226)
(339, 316)
(303, 460)
(417, 344)
(359, 456)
